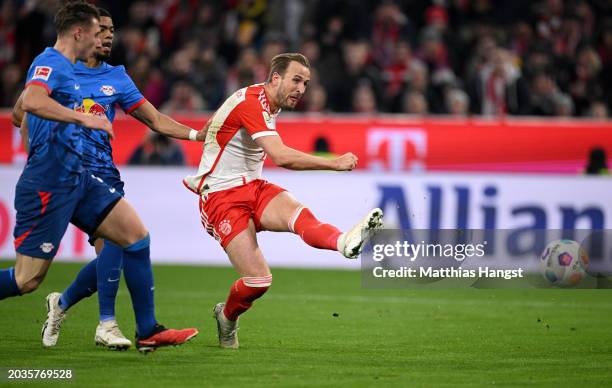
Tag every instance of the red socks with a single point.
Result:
(312, 231)
(243, 293)
(247, 289)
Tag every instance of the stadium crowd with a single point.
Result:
(457, 57)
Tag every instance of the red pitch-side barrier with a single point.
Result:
(400, 143)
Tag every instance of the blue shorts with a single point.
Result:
(43, 216)
(115, 182)
(112, 180)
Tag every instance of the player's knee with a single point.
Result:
(138, 244)
(27, 284)
(137, 235)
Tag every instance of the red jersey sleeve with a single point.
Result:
(257, 121)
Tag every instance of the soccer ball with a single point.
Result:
(563, 263)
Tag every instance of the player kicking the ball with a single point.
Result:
(235, 203)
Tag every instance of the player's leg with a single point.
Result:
(280, 211)
(8, 283)
(57, 304)
(24, 277)
(123, 228)
(109, 268)
(284, 213)
(30, 272)
(102, 274)
(247, 258)
(226, 215)
(41, 221)
(85, 284)
(91, 279)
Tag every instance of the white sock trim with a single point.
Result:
(256, 281)
(294, 218)
(341, 242)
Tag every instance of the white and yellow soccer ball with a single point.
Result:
(563, 263)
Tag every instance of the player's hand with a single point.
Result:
(346, 162)
(201, 136)
(98, 122)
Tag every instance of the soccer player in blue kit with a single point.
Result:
(56, 188)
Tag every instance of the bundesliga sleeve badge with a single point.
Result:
(42, 72)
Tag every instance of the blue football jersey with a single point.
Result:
(54, 160)
(102, 88)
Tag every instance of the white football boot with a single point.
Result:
(55, 317)
(109, 336)
(228, 330)
(351, 243)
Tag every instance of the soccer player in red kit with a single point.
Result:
(236, 203)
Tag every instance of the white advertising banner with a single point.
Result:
(418, 201)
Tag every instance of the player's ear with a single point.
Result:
(77, 32)
(276, 78)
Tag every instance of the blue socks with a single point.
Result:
(82, 287)
(8, 284)
(108, 277)
(139, 278)
(101, 274)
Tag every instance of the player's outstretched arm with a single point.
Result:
(37, 101)
(19, 120)
(293, 159)
(164, 124)
(18, 112)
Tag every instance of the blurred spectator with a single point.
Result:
(174, 19)
(599, 110)
(415, 103)
(155, 88)
(598, 162)
(34, 30)
(498, 88)
(419, 82)
(212, 74)
(543, 93)
(357, 71)
(364, 100)
(248, 70)
(564, 106)
(140, 71)
(605, 44)
(397, 74)
(586, 84)
(8, 18)
(10, 85)
(158, 150)
(433, 50)
(457, 102)
(522, 36)
(315, 99)
(390, 26)
(130, 46)
(183, 98)
(274, 44)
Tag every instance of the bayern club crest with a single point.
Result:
(108, 90)
(225, 227)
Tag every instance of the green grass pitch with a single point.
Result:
(320, 328)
